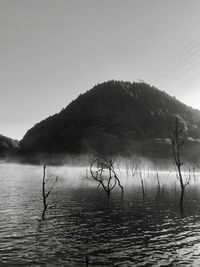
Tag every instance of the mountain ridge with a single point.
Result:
(7, 144)
(112, 117)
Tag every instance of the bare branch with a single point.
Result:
(177, 142)
(103, 171)
(44, 194)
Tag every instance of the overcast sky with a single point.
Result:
(53, 50)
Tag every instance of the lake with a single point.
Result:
(84, 223)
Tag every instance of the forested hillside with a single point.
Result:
(114, 117)
(7, 144)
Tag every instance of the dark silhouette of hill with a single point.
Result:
(7, 145)
(114, 117)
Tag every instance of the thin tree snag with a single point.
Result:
(158, 186)
(44, 194)
(102, 170)
(142, 184)
(177, 142)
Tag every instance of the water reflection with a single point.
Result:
(85, 224)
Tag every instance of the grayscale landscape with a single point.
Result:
(99, 133)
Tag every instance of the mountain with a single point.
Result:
(115, 117)
(7, 144)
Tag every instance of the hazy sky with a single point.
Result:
(53, 50)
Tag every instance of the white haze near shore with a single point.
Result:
(75, 172)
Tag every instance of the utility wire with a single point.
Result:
(192, 58)
(164, 81)
(186, 52)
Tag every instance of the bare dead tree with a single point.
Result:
(131, 166)
(87, 260)
(127, 168)
(45, 194)
(142, 184)
(177, 143)
(136, 163)
(158, 186)
(103, 171)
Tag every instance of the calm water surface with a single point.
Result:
(82, 222)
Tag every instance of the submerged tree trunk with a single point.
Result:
(143, 192)
(181, 197)
(44, 194)
(177, 143)
(142, 185)
(103, 171)
(158, 186)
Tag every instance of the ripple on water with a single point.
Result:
(83, 222)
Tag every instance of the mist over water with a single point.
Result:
(82, 221)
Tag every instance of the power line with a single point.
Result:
(179, 74)
(192, 58)
(186, 52)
